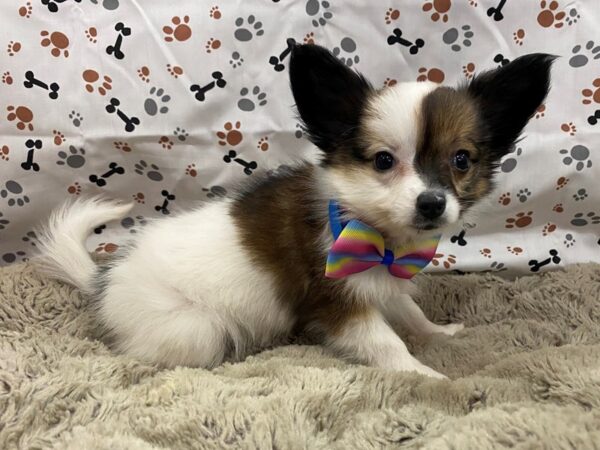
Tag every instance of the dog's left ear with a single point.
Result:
(330, 97)
(507, 97)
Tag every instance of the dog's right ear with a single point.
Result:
(329, 96)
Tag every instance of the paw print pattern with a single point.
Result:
(548, 228)
(486, 252)
(391, 14)
(59, 138)
(174, 71)
(74, 159)
(434, 74)
(345, 52)
(179, 30)
(572, 17)
(152, 171)
(139, 197)
(309, 38)
(581, 194)
(215, 13)
(439, 9)
(447, 262)
(157, 97)
(523, 195)
(561, 183)
(521, 220)
(212, 44)
(3, 222)
(7, 78)
(75, 118)
(91, 77)
(21, 115)
(10, 257)
(13, 191)
(191, 170)
(236, 60)
(514, 250)
(230, 135)
(592, 94)
(548, 16)
(263, 144)
(510, 163)
(583, 54)
(74, 189)
(4, 152)
(13, 48)
(92, 34)
(133, 223)
(579, 155)
(469, 70)
(569, 240)
(144, 74)
(569, 128)
(246, 30)
(180, 134)
(451, 37)
(519, 36)
(319, 10)
(582, 220)
(248, 103)
(57, 41)
(26, 10)
(505, 199)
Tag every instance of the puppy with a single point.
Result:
(328, 248)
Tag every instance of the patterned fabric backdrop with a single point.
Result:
(170, 103)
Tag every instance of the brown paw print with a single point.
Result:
(166, 142)
(59, 138)
(504, 199)
(191, 170)
(486, 252)
(106, 247)
(91, 77)
(231, 135)
(558, 208)
(569, 128)
(521, 220)
(7, 78)
(215, 13)
(4, 151)
(548, 16)
(123, 146)
(180, 31)
(212, 44)
(473, 3)
(469, 70)
(74, 189)
(92, 34)
(263, 144)
(561, 183)
(22, 115)
(59, 43)
(175, 71)
(548, 228)
(26, 10)
(13, 48)
(389, 82)
(435, 75)
(439, 7)
(144, 74)
(514, 250)
(592, 94)
(540, 111)
(391, 14)
(309, 38)
(518, 36)
(447, 263)
(139, 198)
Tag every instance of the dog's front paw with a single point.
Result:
(451, 329)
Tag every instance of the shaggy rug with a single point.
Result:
(525, 373)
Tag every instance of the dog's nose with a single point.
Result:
(431, 204)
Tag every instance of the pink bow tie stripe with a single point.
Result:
(360, 247)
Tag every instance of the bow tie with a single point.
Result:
(358, 247)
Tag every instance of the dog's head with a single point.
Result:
(414, 156)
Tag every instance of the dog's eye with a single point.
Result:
(384, 161)
(461, 160)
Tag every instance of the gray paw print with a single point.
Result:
(129, 223)
(30, 237)
(181, 134)
(578, 153)
(321, 9)
(349, 46)
(142, 167)
(236, 60)
(12, 257)
(76, 118)
(581, 194)
(497, 267)
(579, 220)
(215, 192)
(108, 4)
(151, 103)
(12, 190)
(451, 36)
(509, 164)
(300, 131)
(247, 104)
(245, 34)
(523, 195)
(74, 159)
(572, 17)
(569, 240)
(579, 59)
(3, 222)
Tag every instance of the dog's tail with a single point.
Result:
(62, 240)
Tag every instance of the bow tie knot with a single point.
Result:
(359, 247)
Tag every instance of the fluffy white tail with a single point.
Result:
(62, 240)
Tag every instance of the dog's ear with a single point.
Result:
(507, 97)
(329, 96)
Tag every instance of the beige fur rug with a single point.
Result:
(525, 373)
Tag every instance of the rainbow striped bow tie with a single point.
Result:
(359, 247)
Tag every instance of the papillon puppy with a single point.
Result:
(326, 248)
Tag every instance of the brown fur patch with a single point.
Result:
(282, 221)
